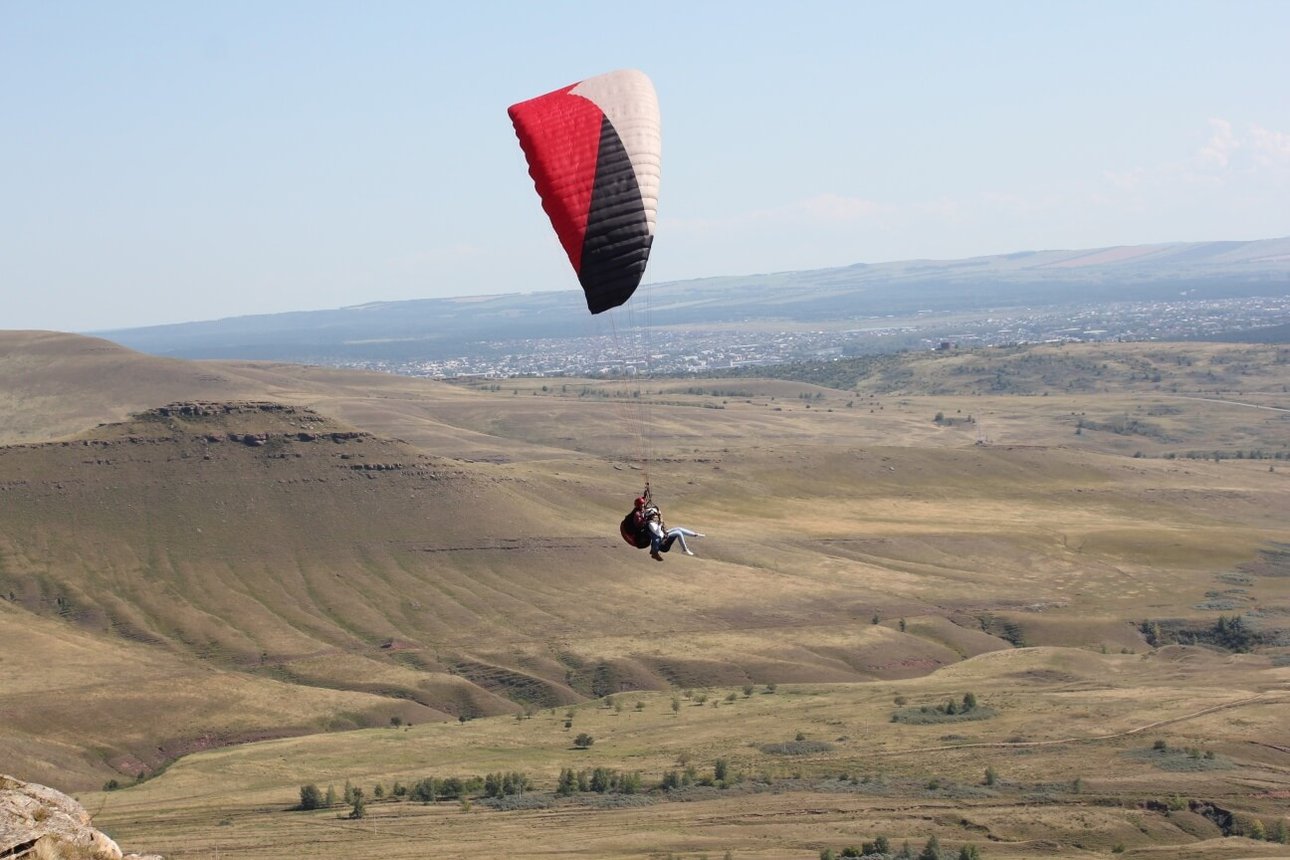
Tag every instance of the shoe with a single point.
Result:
(700, 534)
(656, 556)
(688, 552)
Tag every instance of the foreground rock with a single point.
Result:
(39, 823)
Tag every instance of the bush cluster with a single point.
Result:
(947, 712)
(599, 780)
(880, 849)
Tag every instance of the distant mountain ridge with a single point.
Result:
(439, 327)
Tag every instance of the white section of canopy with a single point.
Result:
(628, 99)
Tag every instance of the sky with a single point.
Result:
(167, 162)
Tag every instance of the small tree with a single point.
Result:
(331, 796)
(720, 771)
(932, 850)
(425, 790)
(359, 809)
(568, 783)
(583, 740)
(310, 797)
(990, 776)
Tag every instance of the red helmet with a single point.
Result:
(640, 501)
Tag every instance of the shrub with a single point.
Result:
(583, 740)
(310, 797)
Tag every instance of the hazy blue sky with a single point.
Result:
(164, 162)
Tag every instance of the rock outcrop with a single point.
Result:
(40, 823)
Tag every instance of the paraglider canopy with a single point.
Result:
(593, 150)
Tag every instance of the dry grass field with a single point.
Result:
(388, 551)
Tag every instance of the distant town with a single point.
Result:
(672, 351)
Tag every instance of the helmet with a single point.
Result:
(640, 501)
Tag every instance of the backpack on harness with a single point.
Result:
(634, 531)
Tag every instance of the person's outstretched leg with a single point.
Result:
(679, 534)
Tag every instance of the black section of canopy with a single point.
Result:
(617, 242)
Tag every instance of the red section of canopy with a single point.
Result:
(560, 135)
